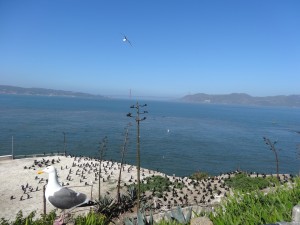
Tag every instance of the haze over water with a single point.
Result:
(176, 138)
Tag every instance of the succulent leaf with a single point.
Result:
(178, 215)
(128, 222)
(189, 215)
(140, 218)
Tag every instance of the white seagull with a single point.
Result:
(125, 39)
(63, 197)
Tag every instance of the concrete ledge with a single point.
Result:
(6, 157)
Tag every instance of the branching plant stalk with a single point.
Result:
(272, 148)
(138, 158)
(138, 119)
(122, 162)
(101, 152)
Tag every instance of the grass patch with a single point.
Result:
(258, 208)
(90, 219)
(29, 220)
(48, 219)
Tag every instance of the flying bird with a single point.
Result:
(125, 39)
(63, 197)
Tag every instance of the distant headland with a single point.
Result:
(6, 89)
(244, 99)
(229, 99)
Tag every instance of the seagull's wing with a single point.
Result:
(125, 39)
(129, 42)
(66, 198)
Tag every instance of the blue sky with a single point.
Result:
(178, 47)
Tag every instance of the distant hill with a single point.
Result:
(6, 89)
(245, 99)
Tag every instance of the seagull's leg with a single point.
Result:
(60, 220)
(63, 216)
(67, 216)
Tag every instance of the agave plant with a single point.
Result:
(105, 201)
(125, 203)
(178, 215)
(107, 207)
(141, 220)
(132, 192)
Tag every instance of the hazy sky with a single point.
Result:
(178, 47)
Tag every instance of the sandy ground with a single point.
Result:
(82, 178)
(21, 187)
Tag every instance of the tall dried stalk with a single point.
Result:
(122, 162)
(272, 148)
(103, 146)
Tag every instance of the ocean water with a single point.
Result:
(176, 138)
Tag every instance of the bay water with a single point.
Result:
(176, 137)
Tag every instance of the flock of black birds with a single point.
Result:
(85, 171)
(190, 192)
(27, 189)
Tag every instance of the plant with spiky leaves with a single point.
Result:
(141, 219)
(179, 216)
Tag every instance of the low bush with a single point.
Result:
(242, 182)
(199, 175)
(157, 184)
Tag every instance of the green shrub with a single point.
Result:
(242, 182)
(157, 185)
(199, 175)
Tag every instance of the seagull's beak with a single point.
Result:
(40, 172)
